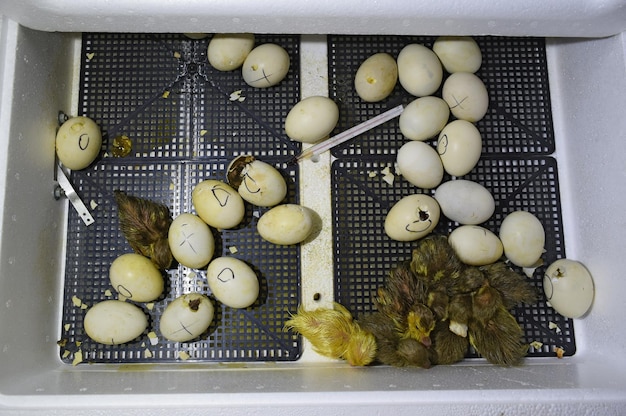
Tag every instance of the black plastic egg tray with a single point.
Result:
(187, 121)
(516, 166)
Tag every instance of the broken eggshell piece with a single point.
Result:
(412, 217)
(257, 182)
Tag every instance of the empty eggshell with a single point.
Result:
(523, 238)
(218, 204)
(311, 119)
(475, 245)
(78, 142)
(228, 51)
(265, 66)
(568, 287)
(424, 118)
(458, 53)
(412, 217)
(186, 317)
(420, 164)
(465, 202)
(466, 95)
(459, 145)
(191, 241)
(419, 70)
(376, 77)
(113, 322)
(286, 224)
(233, 282)
(136, 277)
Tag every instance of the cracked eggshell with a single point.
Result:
(376, 77)
(265, 66)
(419, 70)
(257, 182)
(476, 246)
(459, 146)
(412, 217)
(186, 317)
(420, 164)
(78, 142)
(191, 241)
(135, 277)
(312, 119)
(228, 51)
(465, 202)
(523, 238)
(286, 224)
(568, 287)
(233, 282)
(113, 322)
(458, 53)
(218, 204)
(466, 95)
(424, 118)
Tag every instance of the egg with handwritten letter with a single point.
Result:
(78, 142)
(135, 277)
(412, 217)
(233, 282)
(218, 204)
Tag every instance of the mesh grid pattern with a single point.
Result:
(161, 92)
(515, 166)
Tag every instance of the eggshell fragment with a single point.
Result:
(424, 118)
(419, 70)
(265, 66)
(376, 77)
(186, 317)
(286, 224)
(136, 277)
(233, 282)
(311, 119)
(465, 202)
(78, 142)
(218, 204)
(113, 322)
(475, 245)
(191, 241)
(523, 238)
(568, 287)
(412, 217)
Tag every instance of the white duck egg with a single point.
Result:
(311, 119)
(286, 224)
(257, 182)
(458, 53)
(113, 322)
(228, 51)
(233, 282)
(568, 287)
(78, 142)
(191, 241)
(412, 217)
(376, 77)
(218, 204)
(523, 238)
(465, 202)
(135, 277)
(265, 66)
(419, 70)
(186, 317)
(420, 164)
(424, 118)
(466, 95)
(459, 146)
(475, 245)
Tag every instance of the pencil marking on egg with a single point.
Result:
(226, 275)
(221, 195)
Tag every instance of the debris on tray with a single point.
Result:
(236, 96)
(388, 176)
(554, 327)
(121, 146)
(78, 357)
(182, 355)
(166, 94)
(560, 352)
(536, 345)
(90, 56)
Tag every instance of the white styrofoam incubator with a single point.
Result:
(553, 143)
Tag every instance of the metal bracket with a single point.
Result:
(67, 189)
